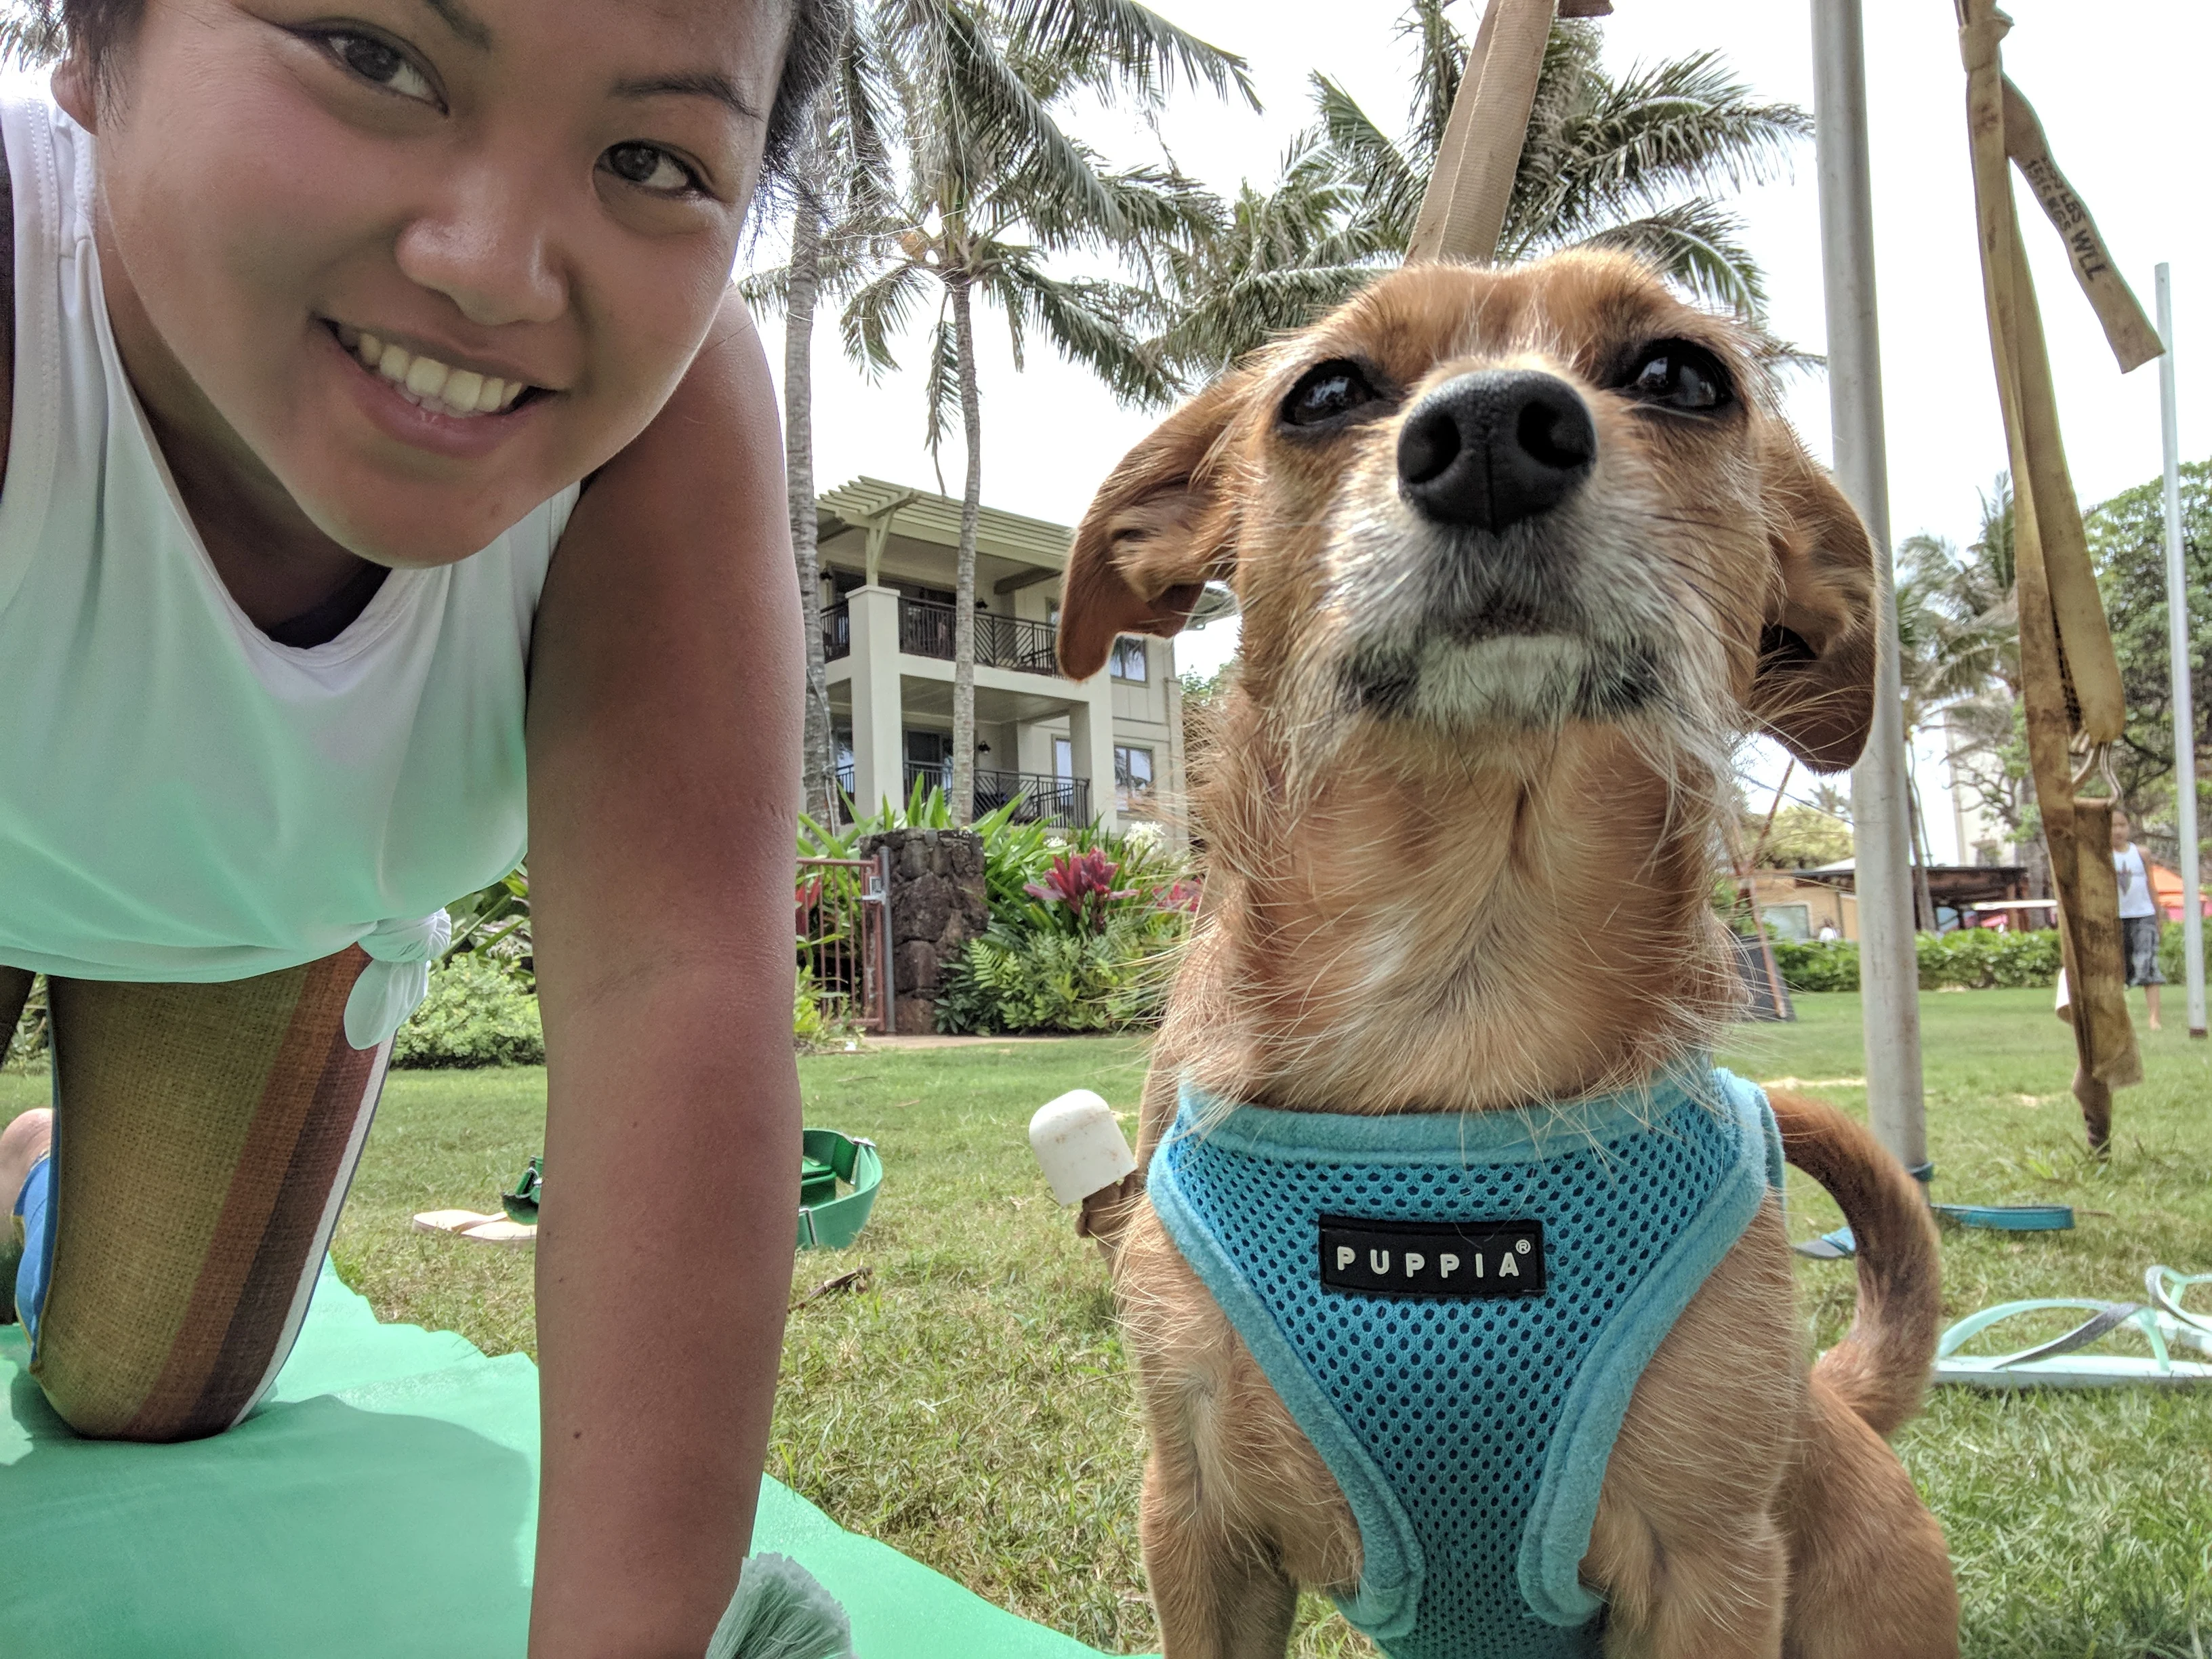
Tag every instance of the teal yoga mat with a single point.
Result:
(381, 1503)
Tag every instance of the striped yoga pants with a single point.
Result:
(204, 1136)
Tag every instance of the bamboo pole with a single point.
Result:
(1463, 210)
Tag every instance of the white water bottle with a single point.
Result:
(1078, 1142)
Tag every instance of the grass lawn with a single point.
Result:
(971, 1406)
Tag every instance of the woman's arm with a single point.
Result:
(664, 766)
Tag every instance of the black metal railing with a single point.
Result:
(1044, 798)
(1015, 642)
(836, 633)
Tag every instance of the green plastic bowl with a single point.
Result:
(825, 1221)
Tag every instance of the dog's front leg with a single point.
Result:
(1106, 1213)
(1218, 1595)
(1688, 1547)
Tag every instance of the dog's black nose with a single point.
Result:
(1495, 446)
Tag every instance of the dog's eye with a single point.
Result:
(1676, 374)
(1327, 392)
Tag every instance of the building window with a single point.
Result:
(1133, 774)
(1063, 759)
(1789, 922)
(1129, 661)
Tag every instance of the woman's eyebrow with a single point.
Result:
(703, 83)
(466, 26)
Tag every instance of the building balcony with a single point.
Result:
(1043, 798)
(925, 629)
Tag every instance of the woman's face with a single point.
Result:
(524, 211)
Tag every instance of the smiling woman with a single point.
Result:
(388, 473)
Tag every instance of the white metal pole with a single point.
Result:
(2177, 644)
(1889, 969)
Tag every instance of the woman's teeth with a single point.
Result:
(428, 383)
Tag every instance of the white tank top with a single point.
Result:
(182, 799)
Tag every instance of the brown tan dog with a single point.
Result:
(1519, 553)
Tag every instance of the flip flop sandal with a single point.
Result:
(450, 1221)
(470, 1223)
(2165, 1288)
(2059, 1362)
(498, 1229)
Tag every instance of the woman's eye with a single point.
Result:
(650, 167)
(1327, 391)
(381, 64)
(1679, 375)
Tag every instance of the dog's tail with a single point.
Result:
(1880, 1367)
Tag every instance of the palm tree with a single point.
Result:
(995, 188)
(1959, 638)
(1625, 163)
(833, 178)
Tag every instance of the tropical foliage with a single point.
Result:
(1966, 959)
(1803, 837)
(480, 1011)
(1636, 161)
(1091, 947)
(2127, 540)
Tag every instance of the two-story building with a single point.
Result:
(1074, 751)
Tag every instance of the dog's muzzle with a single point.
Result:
(1489, 449)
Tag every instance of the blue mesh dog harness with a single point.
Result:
(1455, 1309)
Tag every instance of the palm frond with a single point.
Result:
(1696, 244)
(1114, 46)
(877, 312)
(1599, 149)
(1088, 320)
(1390, 182)
(31, 34)
(1440, 60)
(941, 389)
(1236, 319)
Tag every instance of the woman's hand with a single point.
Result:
(664, 766)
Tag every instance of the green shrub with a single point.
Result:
(1809, 965)
(1980, 958)
(1970, 958)
(477, 1013)
(1014, 978)
(26, 1048)
(818, 1023)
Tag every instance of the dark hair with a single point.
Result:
(810, 54)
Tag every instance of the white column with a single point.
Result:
(1091, 730)
(879, 726)
(1889, 969)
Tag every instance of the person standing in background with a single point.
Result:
(2138, 914)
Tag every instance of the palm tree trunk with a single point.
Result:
(817, 765)
(964, 593)
(1923, 902)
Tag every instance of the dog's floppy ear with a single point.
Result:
(1813, 687)
(1159, 529)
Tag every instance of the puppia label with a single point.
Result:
(1466, 1258)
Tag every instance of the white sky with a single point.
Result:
(2119, 91)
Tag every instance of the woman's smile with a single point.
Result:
(415, 399)
(429, 382)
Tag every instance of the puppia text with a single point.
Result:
(1376, 1257)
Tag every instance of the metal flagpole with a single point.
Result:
(2177, 637)
(1889, 969)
